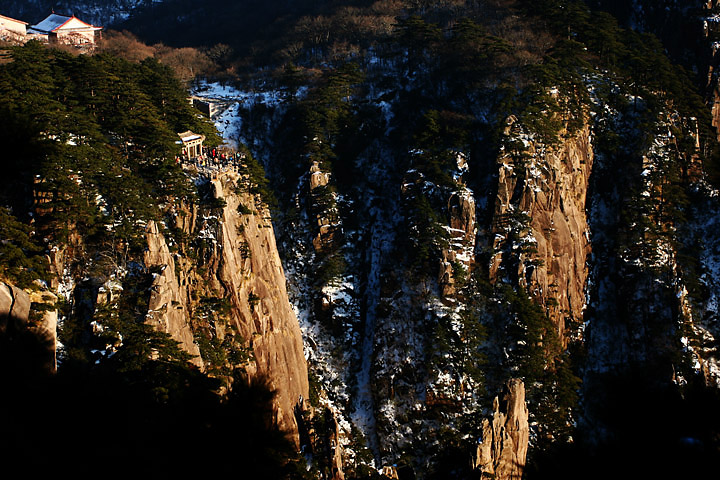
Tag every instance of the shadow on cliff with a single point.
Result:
(641, 428)
(164, 421)
(18, 342)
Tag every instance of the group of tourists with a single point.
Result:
(214, 159)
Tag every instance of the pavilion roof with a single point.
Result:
(189, 136)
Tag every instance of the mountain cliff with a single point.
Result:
(485, 219)
(240, 265)
(555, 244)
(172, 303)
(493, 252)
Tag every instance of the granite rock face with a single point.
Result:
(503, 450)
(238, 263)
(168, 305)
(243, 266)
(462, 232)
(14, 307)
(541, 231)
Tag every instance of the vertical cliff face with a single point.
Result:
(399, 329)
(14, 306)
(462, 230)
(168, 306)
(236, 261)
(221, 253)
(323, 207)
(242, 265)
(540, 226)
(711, 29)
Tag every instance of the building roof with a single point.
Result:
(55, 22)
(32, 31)
(13, 19)
(190, 136)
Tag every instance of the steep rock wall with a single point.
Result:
(463, 232)
(168, 305)
(711, 29)
(238, 262)
(540, 225)
(244, 267)
(323, 208)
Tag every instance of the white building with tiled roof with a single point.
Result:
(64, 29)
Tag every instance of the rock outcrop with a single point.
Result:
(324, 442)
(502, 451)
(168, 305)
(45, 327)
(461, 206)
(14, 307)
(540, 225)
(244, 267)
(462, 232)
(28, 342)
(318, 178)
(234, 259)
(323, 208)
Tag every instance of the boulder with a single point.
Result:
(14, 307)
